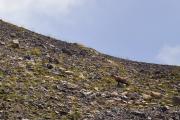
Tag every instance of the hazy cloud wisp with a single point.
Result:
(21, 11)
(169, 55)
(63, 6)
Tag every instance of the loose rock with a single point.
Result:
(156, 95)
(176, 100)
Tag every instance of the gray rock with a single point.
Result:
(2, 43)
(12, 34)
(49, 66)
(15, 43)
(176, 100)
(139, 114)
(133, 96)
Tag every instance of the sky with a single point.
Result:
(141, 30)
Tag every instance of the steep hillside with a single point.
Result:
(42, 78)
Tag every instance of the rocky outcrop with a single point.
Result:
(43, 78)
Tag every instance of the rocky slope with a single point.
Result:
(42, 78)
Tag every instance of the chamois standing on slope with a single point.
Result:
(121, 80)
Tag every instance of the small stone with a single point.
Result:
(156, 95)
(103, 95)
(146, 97)
(114, 94)
(94, 103)
(27, 57)
(71, 86)
(149, 118)
(109, 113)
(164, 108)
(96, 88)
(86, 92)
(12, 34)
(53, 60)
(124, 93)
(117, 99)
(56, 72)
(110, 101)
(111, 62)
(20, 58)
(133, 96)
(61, 68)
(88, 115)
(71, 97)
(69, 72)
(2, 43)
(49, 66)
(81, 76)
(66, 85)
(15, 43)
(67, 51)
(138, 113)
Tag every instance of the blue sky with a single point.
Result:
(143, 30)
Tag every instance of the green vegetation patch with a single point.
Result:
(1, 73)
(35, 51)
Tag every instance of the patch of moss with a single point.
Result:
(1, 73)
(35, 51)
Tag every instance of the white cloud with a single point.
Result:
(169, 55)
(42, 16)
(25, 12)
(62, 6)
